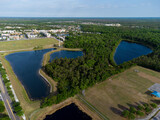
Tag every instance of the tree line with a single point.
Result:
(96, 65)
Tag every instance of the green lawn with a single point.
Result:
(25, 44)
(117, 93)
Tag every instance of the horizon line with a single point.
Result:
(70, 17)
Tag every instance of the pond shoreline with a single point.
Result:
(45, 77)
(67, 102)
(136, 51)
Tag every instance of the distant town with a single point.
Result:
(15, 32)
(9, 33)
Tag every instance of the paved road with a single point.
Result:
(7, 101)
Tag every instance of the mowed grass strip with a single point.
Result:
(25, 44)
(114, 95)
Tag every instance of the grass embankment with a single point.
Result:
(51, 82)
(115, 94)
(27, 44)
(46, 57)
(54, 108)
(112, 61)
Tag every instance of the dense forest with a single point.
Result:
(97, 64)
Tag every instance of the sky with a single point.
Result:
(79, 8)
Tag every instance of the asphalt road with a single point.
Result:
(7, 101)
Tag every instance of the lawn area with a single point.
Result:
(117, 93)
(25, 44)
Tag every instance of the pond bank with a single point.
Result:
(127, 51)
(67, 102)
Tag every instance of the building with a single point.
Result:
(14, 37)
(31, 35)
(46, 34)
(9, 31)
(155, 89)
(117, 25)
(57, 30)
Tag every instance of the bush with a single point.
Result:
(20, 113)
(154, 105)
(4, 117)
(140, 107)
(2, 108)
(148, 109)
(145, 105)
(125, 113)
(131, 116)
(140, 113)
(10, 93)
(17, 108)
(8, 88)
(132, 110)
(6, 81)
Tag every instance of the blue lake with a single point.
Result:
(26, 66)
(65, 54)
(127, 51)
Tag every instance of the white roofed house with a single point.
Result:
(32, 35)
(57, 30)
(5, 36)
(9, 31)
(46, 34)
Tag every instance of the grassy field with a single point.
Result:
(112, 96)
(25, 44)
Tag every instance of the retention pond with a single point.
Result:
(127, 51)
(70, 112)
(26, 66)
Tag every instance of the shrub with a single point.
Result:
(125, 113)
(132, 110)
(17, 108)
(5, 81)
(131, 116)
(148, 109)
(20, 113)
(140, 107)
(2, 108)
(4, 117)
(154, 105)
(10, 93)
(145, 105)
(8, 88)
(140, 113)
